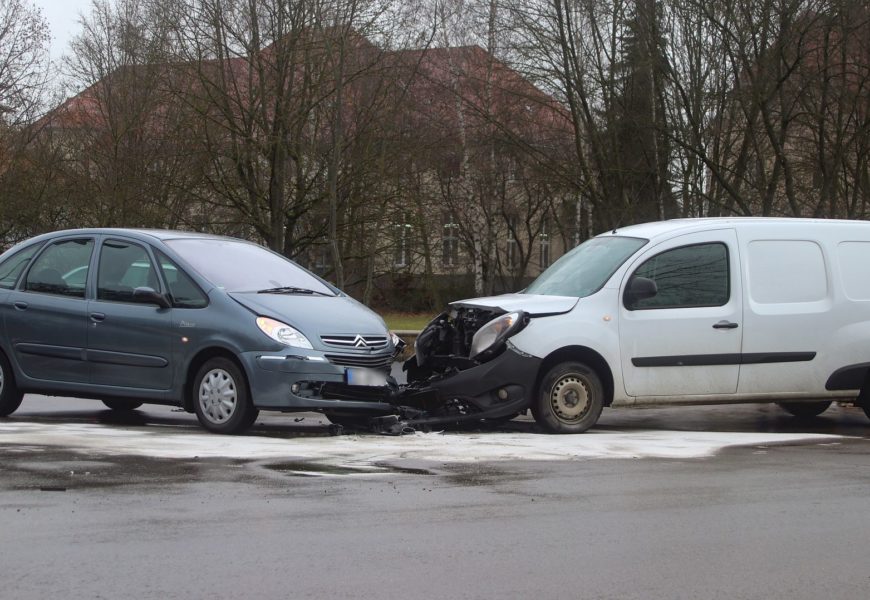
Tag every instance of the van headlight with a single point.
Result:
(494, 333)
(283, 333)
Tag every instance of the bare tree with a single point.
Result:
(23, 70)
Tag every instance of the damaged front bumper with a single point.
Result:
(498, 388)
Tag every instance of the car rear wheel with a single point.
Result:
(122, 404)
(10, 396)
(221, 399)
(805, 410)
(570, 399)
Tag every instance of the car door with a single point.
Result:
(686, 339)
(46, 317)
(128, 341)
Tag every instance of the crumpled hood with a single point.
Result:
(315, 315)
(533, 304)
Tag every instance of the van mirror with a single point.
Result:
(639, 288)
(147, 295)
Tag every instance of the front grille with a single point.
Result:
(380, 361)
(375, 342)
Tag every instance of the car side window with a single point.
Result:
(62, 268)
(124, 267)
(183, 290)
(686, 277)
(13, 266)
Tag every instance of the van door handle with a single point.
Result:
(725, 325)
(97, 317)
(20, 305)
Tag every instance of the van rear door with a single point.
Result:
(789, 314)
(686, 339)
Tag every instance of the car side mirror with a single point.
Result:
(147, 295)
(639, 288)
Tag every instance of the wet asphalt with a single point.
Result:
(770, 521)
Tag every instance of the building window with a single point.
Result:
(402, 247)
(511, 250)
(450, 242)
(321, 256)
(545, 245)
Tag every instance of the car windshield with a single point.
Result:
(585, 269)
(238, 266)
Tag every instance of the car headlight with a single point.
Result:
(395, 339)
(283, 333)
(495, 332)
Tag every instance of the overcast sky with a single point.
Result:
(63, 17)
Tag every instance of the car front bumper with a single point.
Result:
(296, 382)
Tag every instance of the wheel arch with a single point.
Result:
(199, 359)
(584, 355)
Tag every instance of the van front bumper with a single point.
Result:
(497, 388)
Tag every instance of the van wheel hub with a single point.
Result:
(570, 398)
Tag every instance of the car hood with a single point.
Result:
(533, 304)
(315, 315)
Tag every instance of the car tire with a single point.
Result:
(569, 399)
(10, 395)
(221, 399)
(122, 405)
(805, 410)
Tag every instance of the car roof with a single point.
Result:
(140, 234)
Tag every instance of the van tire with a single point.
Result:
(805, 410)
(220, 397)
(116, 404)
(10, 395)
(569, 399)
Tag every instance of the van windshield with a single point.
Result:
(585, 269)
(238, 266)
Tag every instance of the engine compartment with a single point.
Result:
(443, 347)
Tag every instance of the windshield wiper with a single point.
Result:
(289, 289)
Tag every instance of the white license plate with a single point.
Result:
(360, 376)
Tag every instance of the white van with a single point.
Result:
(690, 311)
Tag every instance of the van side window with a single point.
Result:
(62, 269)
(686, 277)
(123, 268)
(184, 292)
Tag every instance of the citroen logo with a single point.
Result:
(360, 342)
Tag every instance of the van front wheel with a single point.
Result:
(569, 399)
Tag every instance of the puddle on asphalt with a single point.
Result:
(308, 469)
(314, 469)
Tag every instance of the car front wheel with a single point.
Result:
(570, 399)
(221, 400)
(10, 395)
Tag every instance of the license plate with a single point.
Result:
(370, 377)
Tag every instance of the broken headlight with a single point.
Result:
(494, 333)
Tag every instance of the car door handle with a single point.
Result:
(20, 305)
(97, 317)
(725, 325)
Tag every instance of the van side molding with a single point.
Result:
(706, 360)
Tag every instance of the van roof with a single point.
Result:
(658, 228)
